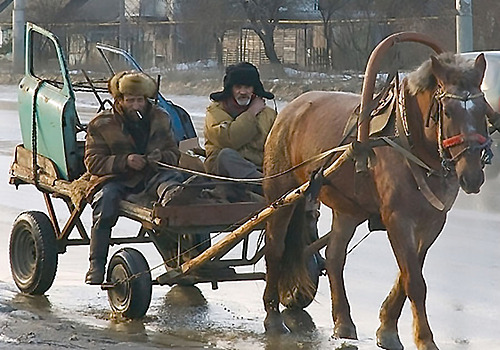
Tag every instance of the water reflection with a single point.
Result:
(32, 302)
(298, 321)
(130, 330)
(184, 307)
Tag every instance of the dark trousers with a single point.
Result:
(230, 163)
(105, 207)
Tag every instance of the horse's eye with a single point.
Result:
(448, 111)
(451, 108)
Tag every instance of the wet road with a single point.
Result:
(462, 272)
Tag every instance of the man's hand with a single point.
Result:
(257, 105)
(136, 161)
(154, 156)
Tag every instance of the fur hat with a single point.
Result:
(132, 83)
(243, 73)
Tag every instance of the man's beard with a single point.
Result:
(243, 101)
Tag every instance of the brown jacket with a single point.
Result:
(108, 145)
(245, 133)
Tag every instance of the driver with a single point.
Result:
(121, 150)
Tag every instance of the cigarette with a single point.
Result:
(139, 114)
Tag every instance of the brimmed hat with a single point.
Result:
(243, 73)
(132, 83)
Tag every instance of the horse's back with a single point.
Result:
(310, 124)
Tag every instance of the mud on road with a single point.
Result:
(28, 322)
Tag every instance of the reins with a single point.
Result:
(256, 181)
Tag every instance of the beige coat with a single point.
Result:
(245, 133)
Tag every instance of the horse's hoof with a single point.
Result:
(427, 346)
(298, 321)
(345, 331)
(388, 340)
(274, 324)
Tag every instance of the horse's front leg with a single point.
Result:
(276, 231)
(343, 228)
(390, 311)
(410, 247)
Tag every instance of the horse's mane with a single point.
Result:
(423, 79)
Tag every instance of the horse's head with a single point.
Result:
(462, 130)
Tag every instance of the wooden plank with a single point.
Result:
(205, 214)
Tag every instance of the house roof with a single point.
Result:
(95, 11)
(76, 11)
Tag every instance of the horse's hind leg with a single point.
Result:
(342, 232)
(276, 230)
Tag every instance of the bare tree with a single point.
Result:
(327, 9)
(205, 23)
(45, 11)
(264, 16)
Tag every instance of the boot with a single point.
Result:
(99, 244)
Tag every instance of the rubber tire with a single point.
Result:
(33, 252)
(299, 300)
(130, 299)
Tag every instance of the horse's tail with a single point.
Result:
(295, 279)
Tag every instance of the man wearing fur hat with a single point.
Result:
(237, 124)
(121, 149)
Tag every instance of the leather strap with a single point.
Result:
(422, 185)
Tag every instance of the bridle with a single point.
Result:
(472, 141)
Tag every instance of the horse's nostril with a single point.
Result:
(469, 186)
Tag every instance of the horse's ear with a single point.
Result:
(438, 69)
(480, 66)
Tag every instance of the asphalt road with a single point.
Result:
(462, 272)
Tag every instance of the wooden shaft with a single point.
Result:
(235, 236)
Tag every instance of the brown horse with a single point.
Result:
(441, 114)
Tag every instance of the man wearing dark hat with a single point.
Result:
(237, 124)
(121, 149)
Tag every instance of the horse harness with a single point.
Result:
(436, 112)
(391, 125)
(481, 142)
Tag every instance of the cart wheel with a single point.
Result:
(298, 300)
(130, 298)
(33, 252)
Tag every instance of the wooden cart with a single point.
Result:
(51, 158)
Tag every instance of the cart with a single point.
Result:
(51, 158)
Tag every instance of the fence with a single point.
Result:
(300, 45)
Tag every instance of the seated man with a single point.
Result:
(237, 124)
(121, 148)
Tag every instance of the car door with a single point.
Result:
(46, 99)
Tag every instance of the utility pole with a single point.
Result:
(464, 26)
(18, 24)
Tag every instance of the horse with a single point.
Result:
(441, 120)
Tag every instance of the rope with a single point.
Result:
(257, 181)
(358, 243)
(34, 133)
